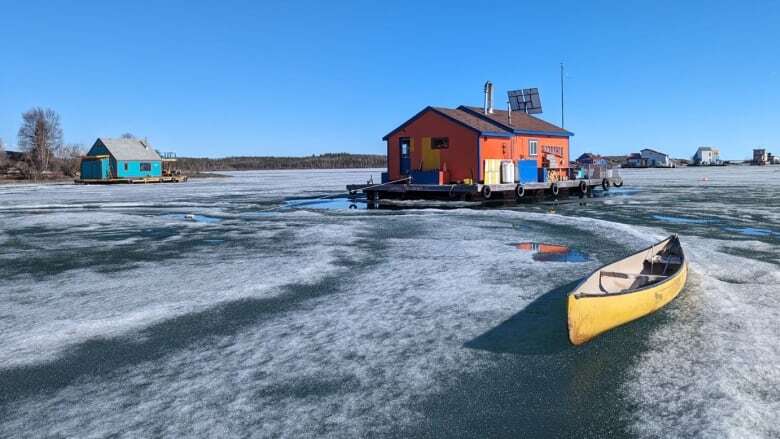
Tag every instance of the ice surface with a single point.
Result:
(120, 317)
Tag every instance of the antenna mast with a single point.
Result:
(562, 96)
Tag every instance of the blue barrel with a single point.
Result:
(526, 171)
(542, 175)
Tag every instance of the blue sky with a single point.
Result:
(298, 78)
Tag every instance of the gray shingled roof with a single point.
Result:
(469, 119)
(494, 123)
(129, 149)
(520, 120)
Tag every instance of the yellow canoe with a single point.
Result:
(626, 290)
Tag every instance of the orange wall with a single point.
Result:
(517, 148)
(460, 158)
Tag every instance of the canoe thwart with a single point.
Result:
(630, 275)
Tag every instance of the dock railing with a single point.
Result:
(595, 172)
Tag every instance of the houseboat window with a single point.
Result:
(440, 142)
(532, 147)
(125, 166)
(146, 167)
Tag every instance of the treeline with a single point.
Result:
(323, 161)
(43, 153)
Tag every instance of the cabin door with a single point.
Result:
(404, 148)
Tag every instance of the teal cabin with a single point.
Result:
(121, 159)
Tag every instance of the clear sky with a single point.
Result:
(226, 78)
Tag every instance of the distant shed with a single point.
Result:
(120, 158)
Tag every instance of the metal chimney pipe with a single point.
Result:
(488, 97)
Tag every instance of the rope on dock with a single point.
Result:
(340, 194)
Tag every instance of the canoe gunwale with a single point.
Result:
(672, 277)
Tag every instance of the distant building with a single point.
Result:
(588, 159)
(706, 156)
(760, 157)
(15, 156)
(676, 163)
(634, 160)
(772, 159)
(656, 159)
(120, 158)
(649, 158)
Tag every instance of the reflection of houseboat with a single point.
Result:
(552, 252)
(542, 248)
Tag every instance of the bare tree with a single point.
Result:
(40, 136)
(127, 136)
(69, 158)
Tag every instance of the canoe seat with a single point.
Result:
(612, 282)
(671, 260)
(632, 275)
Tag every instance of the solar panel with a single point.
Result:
(516, 100)
(526, 100)
(535, 102)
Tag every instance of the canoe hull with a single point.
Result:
(589, 316)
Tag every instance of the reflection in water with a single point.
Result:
(552, 252)
(751, 231)
(683, 220)
(328, 203)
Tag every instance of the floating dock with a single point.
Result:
(525, 192)
(144, 180)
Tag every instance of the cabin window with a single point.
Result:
(146, 167)
(125, 166)
(532, 147)
(440, 142)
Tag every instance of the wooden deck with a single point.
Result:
(168, 179)
(477, 192)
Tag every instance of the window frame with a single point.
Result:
(405, 142)
(535, 151)
(145, 166)
(446, 142)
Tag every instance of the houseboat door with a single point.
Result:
(405, 145)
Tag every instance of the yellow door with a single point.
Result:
(430, 156)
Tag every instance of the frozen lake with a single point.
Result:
(200, 310)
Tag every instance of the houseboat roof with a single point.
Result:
(129, 149)
(522, 123)
(652, 150)
(492, 124)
